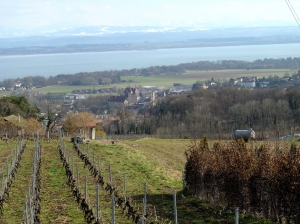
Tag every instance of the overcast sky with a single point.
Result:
(58, 14)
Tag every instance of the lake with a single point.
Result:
(19, 66)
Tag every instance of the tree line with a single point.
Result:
(17, 105)
(216, 113)
(115, 76)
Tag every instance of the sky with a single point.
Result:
(63, 14)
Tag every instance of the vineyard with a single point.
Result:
(126, 182)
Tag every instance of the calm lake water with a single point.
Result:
(53, 64)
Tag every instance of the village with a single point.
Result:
(124, 111)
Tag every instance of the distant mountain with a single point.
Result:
(103, 35)
(85, 31)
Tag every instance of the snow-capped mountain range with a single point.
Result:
(51, 36)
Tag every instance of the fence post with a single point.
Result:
(85, 188)
(3, 179)
(88, 151)
(155, 214)
(175, 207)
(72, 165)
(145, 202)
(124, 188)
(113, 208)
(237, 215)
(7, 176)
(77, 174)
(31, 216)
(97, 201)
(29, 201)
(25, 213)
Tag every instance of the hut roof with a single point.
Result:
(16, 120)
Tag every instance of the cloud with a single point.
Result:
(34, 13)
(68, 9)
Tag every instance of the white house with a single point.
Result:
(249, 84)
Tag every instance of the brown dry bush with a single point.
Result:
(262, 180)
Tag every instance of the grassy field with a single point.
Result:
(65, 89)
(155, 162)
(235, 73)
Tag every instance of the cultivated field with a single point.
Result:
(155, 162)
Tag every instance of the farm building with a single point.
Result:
(88, 130)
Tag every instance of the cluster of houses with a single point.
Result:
(136, 97)
(178, 88)
(248, 82)
(254, 82)
(147, 95)
(16, 86)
